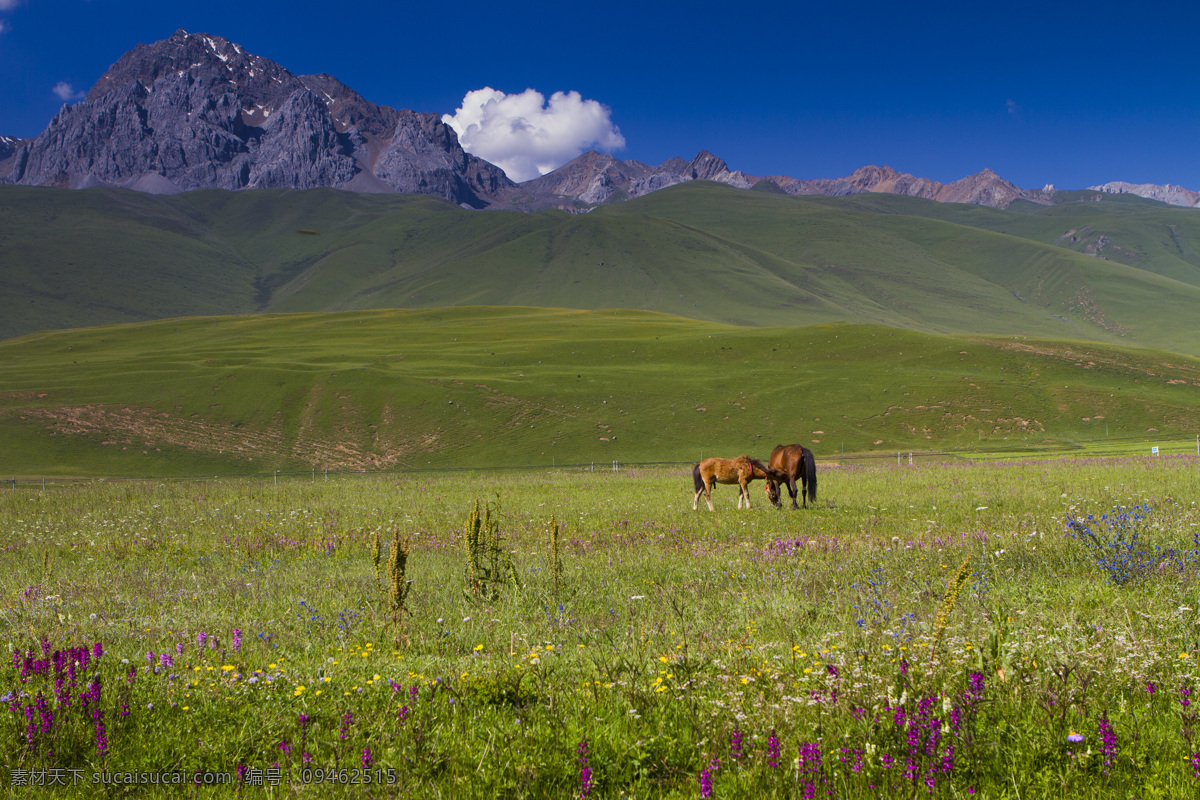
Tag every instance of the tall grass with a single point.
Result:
(930, 630)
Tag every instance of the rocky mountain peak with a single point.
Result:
(1172, 195)
(197, 111)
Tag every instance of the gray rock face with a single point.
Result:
(8, 146)
(424, 154)
(299, 147)
(196, 111)
(1172, 195)
(598, 178)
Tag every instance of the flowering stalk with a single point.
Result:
(585, 770)
(706, 786)
(773, 750)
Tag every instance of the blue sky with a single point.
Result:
(1072, 94)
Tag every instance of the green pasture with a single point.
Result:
(931, 630)
(518, 387)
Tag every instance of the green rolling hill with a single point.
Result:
(518, 387)
(218, 333)
(1121, 270)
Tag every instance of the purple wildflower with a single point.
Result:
(402, 715)
(101, 732)
(200, 639)
(30, 725)
(736, 750)
(1108, 741)
(974, 691)
(366, 758)
(856, 763)
(811, 771)
(347, 721)
(585, 771)
(773, 749)
(714, 764)
(46, 713)
(237, 639)
(1185, 694)
(166, 660)
(97, 650)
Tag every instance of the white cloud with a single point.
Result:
(65, 91)
(8, 5)
(3, 26)
(526, 136)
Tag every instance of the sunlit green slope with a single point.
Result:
(492, 387)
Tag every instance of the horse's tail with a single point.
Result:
(809, 466)
(697, 481)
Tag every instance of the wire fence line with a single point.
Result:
(1121, 447)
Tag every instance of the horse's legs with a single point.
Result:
(744, 492)
(792, 489)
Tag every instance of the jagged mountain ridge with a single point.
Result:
(1171, 195)
(197, 111)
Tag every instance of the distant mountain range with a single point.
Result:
(196, 111)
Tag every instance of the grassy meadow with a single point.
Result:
(959, 629)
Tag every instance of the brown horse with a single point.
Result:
(794, 461)
(740, 470)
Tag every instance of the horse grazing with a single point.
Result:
(740, 470)
(794, 461)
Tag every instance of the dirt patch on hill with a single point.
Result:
(1092, 358)
(129, 427)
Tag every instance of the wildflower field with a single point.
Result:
(962, 629)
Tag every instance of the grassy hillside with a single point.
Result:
(1127, 273)
(499, 387)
